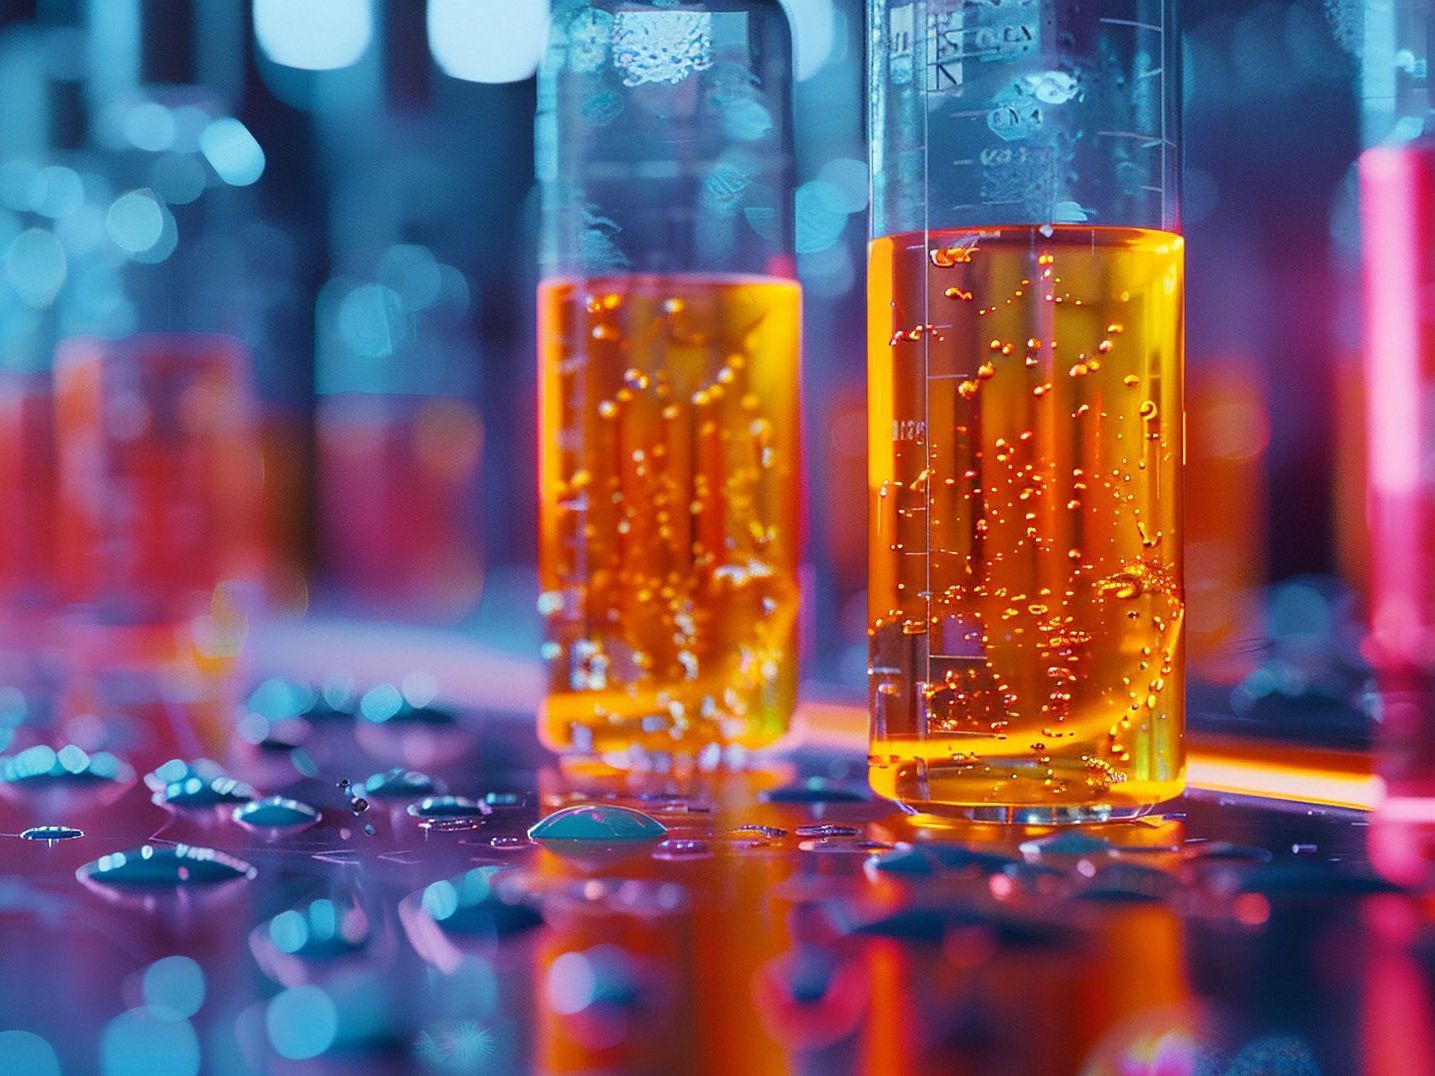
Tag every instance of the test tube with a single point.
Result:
(668, 331)
(1025, 416)
(1397, 214)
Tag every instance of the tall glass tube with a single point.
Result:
(1397, 216)
(1025, 363)
(668, 361)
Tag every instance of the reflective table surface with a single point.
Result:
(773, 920)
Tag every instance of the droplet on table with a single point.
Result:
(469, 904)
(165, 867)
(399, 784)
(276, 813)
(51, 834)
(598, 822)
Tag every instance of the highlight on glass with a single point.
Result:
(669, 322)
(1025, 409)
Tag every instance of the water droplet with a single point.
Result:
(397, 784)
(468, 904)
(509, 844)
(924, 923)
(1066, 843)
(369, 829)
(598, 822)
(359, 805)
(758, 830)
(275, 814)
(448, 813)
(827, 829)
(386, 705)
(196, 784)
(51, 834)
(842, 845)
(41, 768)
(320, 930)
(682, 848)
(1128, 883)
(164, 867)
(503, 799)
(925, 859)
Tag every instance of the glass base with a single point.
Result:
(1026, 814)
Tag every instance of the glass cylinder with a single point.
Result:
(1397, 218)
(399, 369)
(1025, 413)
(668, 333)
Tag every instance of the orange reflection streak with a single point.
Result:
(1238, 765)
(690, 970)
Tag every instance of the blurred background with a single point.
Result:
(266, 336)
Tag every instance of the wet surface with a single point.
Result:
(484, 912)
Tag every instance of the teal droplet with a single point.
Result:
(399, 784)
(165, 867)
(43, 767)
(929, 859)
(200, 783)
(468, 904)
(447, 807)
(1068, 843)
(276, 812)
(52, 833)
(320, 931)
(598, 822)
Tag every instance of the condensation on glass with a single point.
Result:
(1025, 411)
(668, 331)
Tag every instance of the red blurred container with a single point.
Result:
(160, 474)
(26, 491)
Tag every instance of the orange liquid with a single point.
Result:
(1025, 561)
(670, 512)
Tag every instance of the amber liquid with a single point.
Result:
(1025, 562)
(670, 514)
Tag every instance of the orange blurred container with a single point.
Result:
(398, 485)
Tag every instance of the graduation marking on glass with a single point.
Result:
(1025, 413)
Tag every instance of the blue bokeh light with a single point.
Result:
(302, 1022)
(175, 983)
